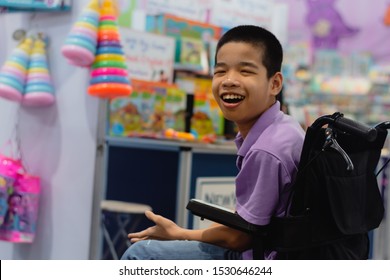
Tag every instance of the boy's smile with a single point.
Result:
(240, 84)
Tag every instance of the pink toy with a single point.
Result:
(38, 90)
(13, 73)
(38, 99)
(80, 46)
(22, 214)
(109, 71)
(10, 93)
(8, 174)
(78, 55)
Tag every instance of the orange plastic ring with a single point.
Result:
(110, 90)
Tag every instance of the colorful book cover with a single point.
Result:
(207, 120)
(175, 109)
(194, 54)
(148, 111)
(178, 28)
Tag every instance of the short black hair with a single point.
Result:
(258, 37)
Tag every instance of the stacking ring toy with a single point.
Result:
(38, 99)
(109, 71)
(108, 56)
(86, 25)
(84, 32)
(81, 43)
(109, 90)
(78, 55)
(111, 43)
(111, 63)
(109, 79)
(107, 17)
(10, 93)
(113, 50)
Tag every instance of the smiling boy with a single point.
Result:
(247, 78)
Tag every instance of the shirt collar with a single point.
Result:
(243, 145)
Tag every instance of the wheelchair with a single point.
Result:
(335, 200)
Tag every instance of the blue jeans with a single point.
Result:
(177, 250)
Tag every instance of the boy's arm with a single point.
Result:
(219, 235)
(222, 236)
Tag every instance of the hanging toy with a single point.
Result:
(13, 72)
(80, 45)
(109, 77)
(39, 90)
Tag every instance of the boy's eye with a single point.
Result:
(246, 71)
(219, 72)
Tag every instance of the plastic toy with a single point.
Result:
(19, 225)
(39, 90)
(80, 45)
(8, 174)
(109, 77)
(13, 72)
(173, 134)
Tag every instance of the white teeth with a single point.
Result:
(232, 96)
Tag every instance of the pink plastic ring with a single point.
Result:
(107, 17)
(109, 71)
(88, 32)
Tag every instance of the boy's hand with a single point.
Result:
(164, 229)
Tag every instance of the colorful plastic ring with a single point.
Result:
(86, 25)
(39, 88)
(109, 56)
(109, 71)
(109, 63)
(109, 43)
(10, 93)
(109, 79)
(109, 90)
(81, 43)
(107, 50)
(12, 83)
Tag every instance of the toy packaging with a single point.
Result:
(20, 221)
(152, 108)
(19, 201)
(207, 121)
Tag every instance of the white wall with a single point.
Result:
(58, 144)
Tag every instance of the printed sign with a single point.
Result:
(215, 190)
(149, 57)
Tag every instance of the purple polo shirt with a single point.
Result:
(268, 162)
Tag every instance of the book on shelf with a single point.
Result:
(193, 54)
(207, 120)
(152, 108)
(178, 28)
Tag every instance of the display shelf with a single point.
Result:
(180, 162)
(225, 147)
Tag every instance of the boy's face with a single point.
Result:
(240, 84)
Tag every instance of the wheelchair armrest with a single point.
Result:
(222, 216)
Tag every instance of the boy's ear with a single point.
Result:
(276, 83)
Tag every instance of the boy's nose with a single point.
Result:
(229, 82)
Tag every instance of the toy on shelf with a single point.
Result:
(179, 135)
(109, 77)
(39, 90)
(80, 45)
(13, 73)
